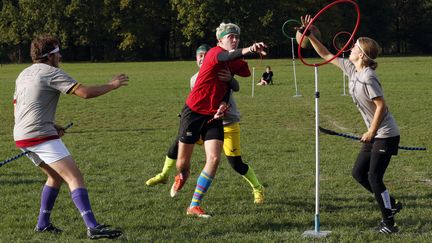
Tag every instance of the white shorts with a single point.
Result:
(47, 152)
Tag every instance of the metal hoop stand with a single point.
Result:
(316, 232)
(297, 94)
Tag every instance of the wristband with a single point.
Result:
(302, 29)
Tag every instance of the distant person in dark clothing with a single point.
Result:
(267, 77)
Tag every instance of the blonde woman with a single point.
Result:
(380, 142)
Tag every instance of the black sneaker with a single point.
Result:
(102, 231)
(387, 228)
(396, 208)
(50, 228)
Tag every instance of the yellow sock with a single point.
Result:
(168, 165)
(251, 178)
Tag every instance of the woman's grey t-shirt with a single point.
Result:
(363, 88)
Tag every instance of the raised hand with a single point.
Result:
(305, 20)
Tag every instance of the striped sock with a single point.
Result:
(203, 183)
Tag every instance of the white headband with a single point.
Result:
(57, 49)
(361, 49)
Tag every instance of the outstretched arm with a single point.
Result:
(237, 53)
(87, 92)
(317, 45)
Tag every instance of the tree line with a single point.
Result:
(133, 30)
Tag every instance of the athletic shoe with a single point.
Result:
(197, 211)
(258, 195)
(386, 228)
(102, 231)
(396, 208)
(158, 179)
(50, 228)
(177, 185)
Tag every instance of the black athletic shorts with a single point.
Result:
(194, 126)
(382, 145)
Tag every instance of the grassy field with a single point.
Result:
(120, 140)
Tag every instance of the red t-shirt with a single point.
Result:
(209, 91)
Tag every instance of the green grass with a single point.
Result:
(120, 140)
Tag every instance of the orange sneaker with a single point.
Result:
(198, 212)
(177, 185)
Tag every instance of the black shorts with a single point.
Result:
(382, 145)
(194, 126)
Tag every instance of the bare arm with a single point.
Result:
(317, 45)
(381, 108)
(87, 92)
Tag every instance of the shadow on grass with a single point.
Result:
(19, 181)
(114, 130)
(365, 215)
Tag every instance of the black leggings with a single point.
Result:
(369, 170)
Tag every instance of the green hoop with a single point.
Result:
(287, 22)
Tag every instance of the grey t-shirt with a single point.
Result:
(363, 88)
(37, 91)
(232, 115)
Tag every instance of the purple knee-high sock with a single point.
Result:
(82, 202)
(48, 197)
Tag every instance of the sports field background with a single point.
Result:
(120, 140)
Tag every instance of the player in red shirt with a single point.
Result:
(205, 106)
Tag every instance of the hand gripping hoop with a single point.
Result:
(313, 20)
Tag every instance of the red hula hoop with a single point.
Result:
(313, 20)
(335, 37)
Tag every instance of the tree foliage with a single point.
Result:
(112, 30)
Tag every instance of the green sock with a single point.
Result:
(168, 165)
(251, 178)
